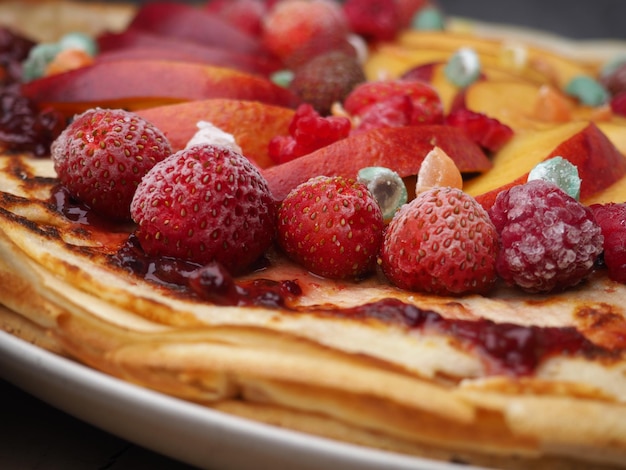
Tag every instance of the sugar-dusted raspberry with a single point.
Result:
(548, 240)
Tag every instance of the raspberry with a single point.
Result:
(203, 204)
(327, 79)
(332, 226)
(102, 156)
(548, 240)
(612, 220)
(443, 243)
(393, 112)
(426, 103)
(487, 132)
(308, 131)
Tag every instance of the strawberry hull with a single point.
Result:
(401, 149)
(138, 84)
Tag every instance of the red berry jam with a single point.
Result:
(505, 347)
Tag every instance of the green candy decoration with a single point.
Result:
(387, 187)
(559, 171)
(38, 59)
(463, 68)
(587, 90)
(428, 19)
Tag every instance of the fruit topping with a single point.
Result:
(327, 79)
(613, 76)
(308, 131)
(72, 51)
(438, 169)
(24, 127)
(612, 220)
(559, 171)
(587, 90)
(428, 19)
(385, 102)
(486, 131)
(208, 134)
(548, 240)
(463, 68)
(387, 187)
(103, 154)
(618, 104)
(442, 242)
(375, 20)
(290, 26)
(205, 204)
(246, 15)
(332, 226)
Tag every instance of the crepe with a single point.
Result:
(323, 364)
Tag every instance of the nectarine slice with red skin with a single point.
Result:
(138, 84)
(599, 163)
(401, 149)
(130, 44)
(176, 20)
(253, 124)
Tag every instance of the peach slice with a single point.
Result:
(137, 84)
(136, 44)
(600, 164)
(253, 124)
(177, 20)
(553, 67)
(510, 102)
(401, 149)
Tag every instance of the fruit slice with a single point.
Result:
(136, 44)
(253, 124)
(187, 22)
(401, 149)
(600, 164)
(137, 84)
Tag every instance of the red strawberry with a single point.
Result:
(246, 15)
(612, 220)
(291, 25)
(443, 243)
(427, 105)
(487, 132)
(308, 131)
(375, 20)
(332, 226)
(205, 203)
(103, 154)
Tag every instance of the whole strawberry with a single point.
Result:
(443, 243)
(549, 241)
(103, 154)
(205, 203)
(292, 25)
(332, 226)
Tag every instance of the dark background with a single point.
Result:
(34, 435)
(572, 18)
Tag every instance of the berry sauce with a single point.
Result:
(506, 348)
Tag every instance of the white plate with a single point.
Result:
(184, 431)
